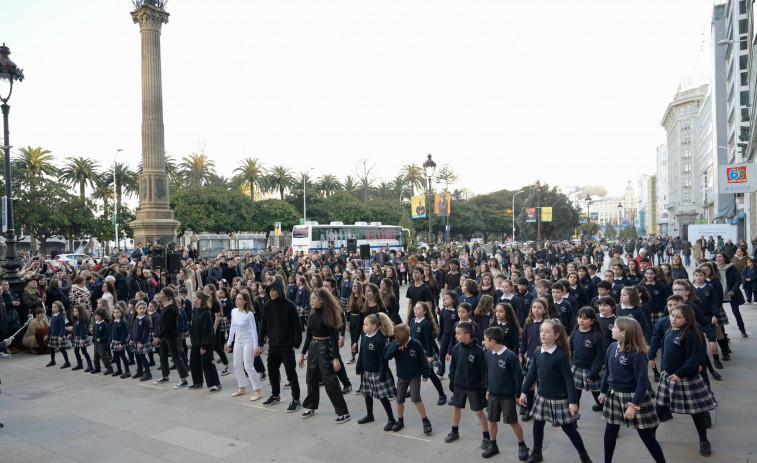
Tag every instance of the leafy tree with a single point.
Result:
(564, 215)
(280, 179)
(267, 212)
(126, 181)
(329, 184)
(33, 163)
(384, 211)
(339, 207)
(414, 177)
(446, 176)
(196, 169)
(366, 180)
(81, 171)
(213, 210)
(491, 209)
(400, 189)
(251, 174)
(350, 185)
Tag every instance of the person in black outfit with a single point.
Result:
(201, 335)
(168, 338)
(282, 330)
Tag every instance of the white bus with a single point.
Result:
(315, 237)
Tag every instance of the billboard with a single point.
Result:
(418, 207)
(546, 214)
(530, 214)
(442, 204)
(582, 218)
(737, 178)
(595, 217)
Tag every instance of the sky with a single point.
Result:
(507, 93)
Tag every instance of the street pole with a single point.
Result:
(115, 198)
(513, 209)
(428, 211)
(429, 168)
(304, 203)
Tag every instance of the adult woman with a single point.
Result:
(321, 339)
(244, 332)
(53, 294)
(35, 332)
(731, 281)
(739, 259)
(79, 293)
(188, 280)
(109, 294)
(391, 272)
(201, 335)
(137, 282)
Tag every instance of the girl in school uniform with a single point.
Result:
(376, 380)
(119, 339)
(81, 338)
(153, 311)
(624, 389)
(681, 389)
(658, 294)
(447, 320)
(630, 306)
(390, 300)
(484, 313)
(56, 335)
(423, 328)
(507, 321)
(555, 399)
(529, 341)
(588, 348)
(139, 342)
(354, 305)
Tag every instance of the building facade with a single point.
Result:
(662, 190)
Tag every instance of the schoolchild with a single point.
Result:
(563, 307)
(577, 291)
(529, 341)
(681, 389)
(624, 390)
(709, 303)
(153, 311)
(590, 288)
(506, 320)
(354, 306)
(101, 339)
(203, 342)
(658, 294)
(376, 381)
(555, 399)
(618, 281)
(119, 342)
(749, 276)
(302, 300)
(466, 371)
(603, 289)
(588, 348)
(464, 314)
(606, 318)
(447, 319)
(56, 335)
(81, 337)
(484, 312)
(292, 288)
(712, 275)
(525, 297)
(509, 297)
(423, 329)
(503, 379)
(140, 341)
(243, 332)
(411, 365)
(630, 306)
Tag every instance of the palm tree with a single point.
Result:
(280, 179)
(367, 185)
(103, 185)
(413, 174)
(126, 181)
(34, 162)
(400, 189)
(384, 191)
(252, 174)
(196, 169)
(329, 184)
(79, 170)
(350, 185)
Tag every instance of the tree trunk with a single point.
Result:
(81, 190)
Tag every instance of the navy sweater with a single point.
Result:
(567, 314)
(410, 362)
(371, 356)
(101, 333)
(518, 307)
(423, 332)
(447, 320)
(658, 336)
(681, 358)
(80, 329)
(530, 339)
(503, 376)
(708, 300)
(120, 331)
(511, 336)
(140, 331)
(57, 326)
(658, 295)
(555, 380)
(637, 314)
(588, 352)
(466, 367)
(626, 372)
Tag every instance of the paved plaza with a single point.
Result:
(54, 415)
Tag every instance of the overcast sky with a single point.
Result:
(567, 92)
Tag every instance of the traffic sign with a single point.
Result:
(277, 229)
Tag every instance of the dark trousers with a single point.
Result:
(321, 368)
(258, 364)
(444, 350)
(220, 341)
(203, 363)
(171, 345)
(342, 374)
(275, 359)
(86, 356)
(120, 356)
(142, 364)
(737, 313)
(101, 352)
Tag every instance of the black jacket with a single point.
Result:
(281, 322)
(201, 333)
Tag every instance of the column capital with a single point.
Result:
(149, 17)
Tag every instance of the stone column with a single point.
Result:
(154, 218)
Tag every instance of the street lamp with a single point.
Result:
(587, 199)
(538, 214)
(620, 209)
(115, 198)
(305, 204)
(516, 193)
(9, 73)
(429, 167)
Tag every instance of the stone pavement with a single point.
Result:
(53, 415)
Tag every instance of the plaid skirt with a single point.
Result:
(80, 343)
(437, 362)
(372, 387)
(223, 325)
(656, 317)
(151, 336)
(616, 405)
(526, 365)
(54, 343)
(146, 349)
(554, 411)
(581, 378)
(722, 316)
(689, 397)
(185, 334)
(115, 345)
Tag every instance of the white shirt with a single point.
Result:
(244, 324)
(550, 350)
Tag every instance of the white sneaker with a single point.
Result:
(5, 355)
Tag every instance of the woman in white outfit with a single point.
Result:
(244, 332)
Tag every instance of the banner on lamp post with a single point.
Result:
(546, 214)
(530, 214)
(442, 204)
(418, 207)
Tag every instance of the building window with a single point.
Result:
(744, 79)
(743, 62)
(686, 167)
(686, 197)
(744, 98)
(685, 139)
(685, 154)
(742, 7)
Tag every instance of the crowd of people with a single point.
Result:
(516, 331)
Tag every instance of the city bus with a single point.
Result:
(315, 237)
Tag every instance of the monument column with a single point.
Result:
(154, 218)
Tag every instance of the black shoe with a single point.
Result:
(146, 377)
(126, 375)
(452, 437)
(585, 457)
(214, 389)
(195, 386)
(365, 419)
(450, 401)
(95, 371)
(522, 452)
(161, 380)
(347, 389)
(426, 427)
(743, 335)
(490, 452)
(534, 456)
(398, 425)
(226, 371)
(523, 410)
(359, 391)
(50, 364)
(308, 413)
(182, 384)
(597, 407)
(718, 364)
(273, 400)
(526, 418)
(132, 362)
(717, 376)
(704, 448)
(341, 419)
(117, 373)
(287, 386)
(138, 374)
(389, 425)
(665, 416)
(88, 369)
(262, 375)
(65, 365)
(442, 400)
(108, 372)
(656, 377)
(485, 444)
(726, 356)
(294, 405)
(78, 367)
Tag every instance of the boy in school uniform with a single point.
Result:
(410, 361)
(503, 379)
(603, 289)
(101, 339)
(564, 308)
(466, 370)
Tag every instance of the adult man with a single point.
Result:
(65, 283)
(215, 273)
(281, 328)
(686, 251)
(30, 300)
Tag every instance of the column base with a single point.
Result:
(152, 228)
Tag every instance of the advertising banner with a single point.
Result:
(418, 207)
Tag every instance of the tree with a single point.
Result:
(267, 212)
(33, 163)
(564, 215)
(350, 185)
(81, 171)
(213, 210)
(196, 169)
(280, 179)
(252, 174)
(365, 178)
(104, 191)
(329, 184)
(414, 177)
(126, 182)
(339, 207)
(446, 176)
(400, 189)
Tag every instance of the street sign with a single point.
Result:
(5, 214)
(277, 229)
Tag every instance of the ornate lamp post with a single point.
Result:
(429, 167)
(587, 199)
(9, 73)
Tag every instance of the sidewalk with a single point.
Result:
(54, 415)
